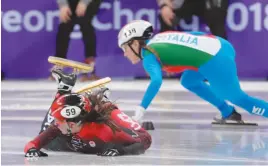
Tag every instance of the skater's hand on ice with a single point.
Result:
(81, 9)
(111, 149)
(109, 152)
(33, 152)
(65, 14)
(139, 113)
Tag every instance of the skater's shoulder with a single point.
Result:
(197, 33)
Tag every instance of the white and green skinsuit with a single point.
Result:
(199, 56)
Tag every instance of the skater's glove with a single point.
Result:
(33, 152)
(111, 149)
(109, 152)
(139, 113)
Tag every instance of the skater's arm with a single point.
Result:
(49, 118)
(65, 2)
(86, 2)
(43, 138)
(162, 3)
(153, 68)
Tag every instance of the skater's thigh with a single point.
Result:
(191, 78)
(48, 120)
(226, 86)
(221, 72)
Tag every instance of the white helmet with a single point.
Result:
(137, 29)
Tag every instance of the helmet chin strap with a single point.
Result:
(137, 54)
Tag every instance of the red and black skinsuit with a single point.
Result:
(128, 137)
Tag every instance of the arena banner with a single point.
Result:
(29, 29)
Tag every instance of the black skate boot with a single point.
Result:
(235, 117)
(65, 85)
(65, 81)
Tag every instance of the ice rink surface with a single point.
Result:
(183, 136)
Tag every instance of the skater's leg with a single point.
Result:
(222, 75)
(194, 82)
(59, 143)
(65, 84)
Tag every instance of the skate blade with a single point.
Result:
(148, 125)
(234, 124)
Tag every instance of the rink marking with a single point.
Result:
(132, 85)
(202, 158)
(125, 108)
(165, 121)
(50, 152)
(12, 118)
(15, 138)
(218, 131)
(242, 133)
(158, 100)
